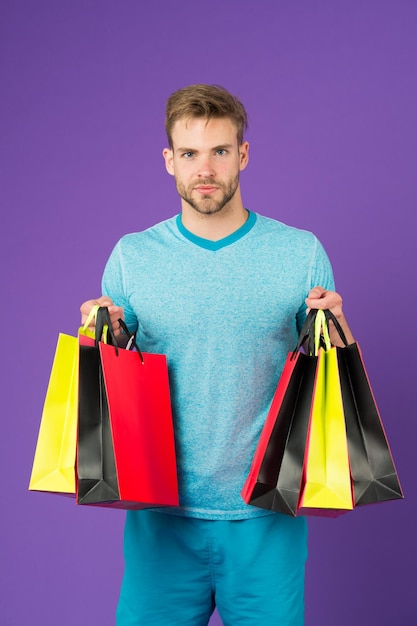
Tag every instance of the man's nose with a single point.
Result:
(205, 168)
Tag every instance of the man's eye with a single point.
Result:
(221, 151)
(188, 154)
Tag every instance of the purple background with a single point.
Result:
(331, 90)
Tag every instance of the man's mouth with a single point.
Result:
(205, 189)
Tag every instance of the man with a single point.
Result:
(223, 292)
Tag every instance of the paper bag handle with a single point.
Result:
(316, 331)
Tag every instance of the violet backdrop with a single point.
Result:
(331, 90)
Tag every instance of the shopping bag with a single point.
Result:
(346, 458)
(373, 476)
(125, 449)
(53, 467)
(275, 477)
(327, 488)
(373, 472)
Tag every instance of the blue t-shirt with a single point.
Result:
(226, 314)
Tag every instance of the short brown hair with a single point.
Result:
(205, 101)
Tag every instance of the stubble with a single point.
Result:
(207, 205)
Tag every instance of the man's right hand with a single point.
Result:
(116, 312)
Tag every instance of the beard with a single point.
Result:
(207, 205)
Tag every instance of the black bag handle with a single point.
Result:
(131, 339)
(102, 320)
(307, 331)
(330, 316)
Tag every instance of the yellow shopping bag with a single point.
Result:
(327, 482)
(54, 463)
(53, 467)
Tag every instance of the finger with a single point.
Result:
(115, 315)
(331, 301)
(115, 324)
(104, 301)
(115, 312)
(85, 310)
(316, 293)
(86, 307)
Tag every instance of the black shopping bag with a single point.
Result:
(96, 467)
(374, 476)
(275, 478)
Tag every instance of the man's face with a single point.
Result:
(206, 160)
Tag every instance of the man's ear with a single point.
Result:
(168, 155)
(243, 155)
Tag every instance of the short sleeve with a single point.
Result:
(321, 269)
(320, 275)
(114, 285)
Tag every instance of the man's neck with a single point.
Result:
(215, 226)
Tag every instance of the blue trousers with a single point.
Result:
(178, 569)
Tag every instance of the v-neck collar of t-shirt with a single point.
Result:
(208, 244)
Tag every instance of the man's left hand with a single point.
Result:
(320, 298)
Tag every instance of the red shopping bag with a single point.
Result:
(125, 449)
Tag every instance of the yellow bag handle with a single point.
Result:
(92, 315)
(321, 332)
(84, 330)
(315, 332)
